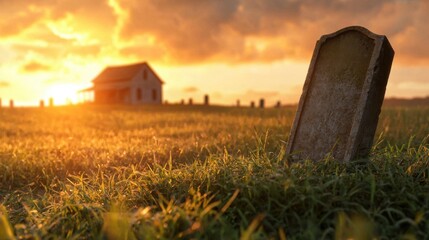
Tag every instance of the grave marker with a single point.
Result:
(206, 100)
(261, 103)
(342, 96)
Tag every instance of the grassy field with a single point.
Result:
(180, 172)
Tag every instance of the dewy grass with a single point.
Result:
(180, 172)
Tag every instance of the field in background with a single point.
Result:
(203, 172)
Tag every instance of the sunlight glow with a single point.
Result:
(63, 94)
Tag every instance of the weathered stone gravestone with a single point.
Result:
(342, 96)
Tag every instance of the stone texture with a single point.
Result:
(342, 96)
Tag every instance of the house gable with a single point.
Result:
(124, 73)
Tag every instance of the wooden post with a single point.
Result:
(0, 102)
(190, 101)
(182, 102)
(261, 103)
(42, 104)
(252, 104)
(51, 102)
(278, 104)
(206, 100)
(11, 103)
(238, 103)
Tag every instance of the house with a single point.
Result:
(129, 84)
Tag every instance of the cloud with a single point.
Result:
(191, 31)
(190, 90)
(195, 31)
(4, 84)
(35, 67)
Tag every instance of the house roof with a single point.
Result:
(122, 73)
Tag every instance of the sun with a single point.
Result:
(62, 94)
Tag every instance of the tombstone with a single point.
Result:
(261, 103)
(42, 103)
(11, 103)
(252, 104)
(278, 104)
(206, 100)
(238, 103)
(51, 102)
(342, 96)
(190, 101)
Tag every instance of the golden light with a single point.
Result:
(62, 94)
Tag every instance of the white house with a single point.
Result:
(129, 84)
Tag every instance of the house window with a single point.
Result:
(144, 74)
(154, 94)
(139, 94)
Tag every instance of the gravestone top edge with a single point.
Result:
(359, 29)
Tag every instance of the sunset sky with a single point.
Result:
(230, 49)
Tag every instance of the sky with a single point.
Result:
(229, 49)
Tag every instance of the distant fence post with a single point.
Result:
(238, 103)
(261, 103)
(190, 101)
(51, 102)
(206, 100)
(182, 102)
(0, 102)
(278, 104)
(11, 103)
(252, 104)
(42, 104)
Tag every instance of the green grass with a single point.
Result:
(180, 172)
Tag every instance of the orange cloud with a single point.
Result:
(190, 90)
(194, 31)
(35, 67)
(4, 84)
(191, 31)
